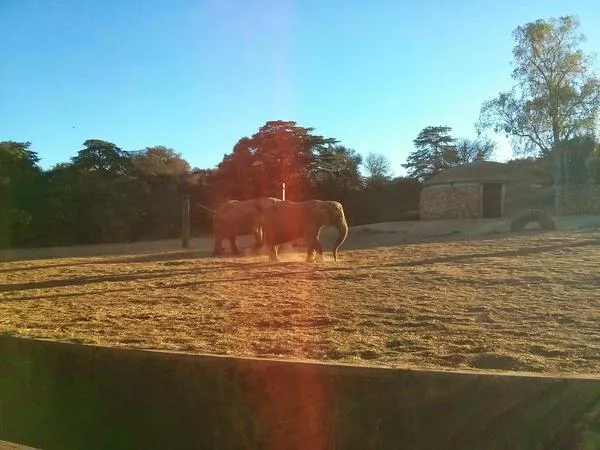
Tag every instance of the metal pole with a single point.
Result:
(185, 221)
(282, 191)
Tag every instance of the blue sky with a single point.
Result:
(197, 76)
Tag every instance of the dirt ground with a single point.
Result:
(445, 294)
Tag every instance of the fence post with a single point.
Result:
(185, 221)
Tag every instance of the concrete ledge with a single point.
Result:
(57, 395)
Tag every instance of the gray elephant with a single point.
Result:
(286, 221)
(239, 217)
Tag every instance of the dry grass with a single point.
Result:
(528, 302)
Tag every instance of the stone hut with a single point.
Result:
(483, 189)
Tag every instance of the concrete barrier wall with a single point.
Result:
(65, 396)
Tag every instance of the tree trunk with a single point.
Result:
(185, 221)
(558, 164)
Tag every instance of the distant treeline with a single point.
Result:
(105, 194)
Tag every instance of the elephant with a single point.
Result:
(286, 221)
(238, 217)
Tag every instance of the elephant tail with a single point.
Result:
(339, 220)
(212, 211)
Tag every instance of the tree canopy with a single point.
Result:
(20, 186)
(556, 95)
(280, 152)
(101, 157)
(436, 151)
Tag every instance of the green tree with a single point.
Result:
(335, 172)
(202, 196)
(102, 157)
(582, 160)
(239, 174)
(66, 206)
(104, 186)
(160, 177)
(21, 191)
(556, 96)
(159, 161)
(436, 151)
(108, 195)
(281, 151)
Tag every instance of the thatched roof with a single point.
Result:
(482, 172)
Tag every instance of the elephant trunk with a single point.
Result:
(342, 233)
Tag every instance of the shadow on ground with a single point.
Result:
(294, 269)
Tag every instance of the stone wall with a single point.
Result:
(462, 200)
(578, 199)
(458, 201)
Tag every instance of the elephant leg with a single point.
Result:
(234, 248)
(218, 250)
(315, 247)
(258, 240)
(310, 254)
(273, 256)
(319, 249)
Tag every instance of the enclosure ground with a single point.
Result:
(522, 302)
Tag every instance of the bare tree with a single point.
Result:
(470, 150)
(378, 167)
